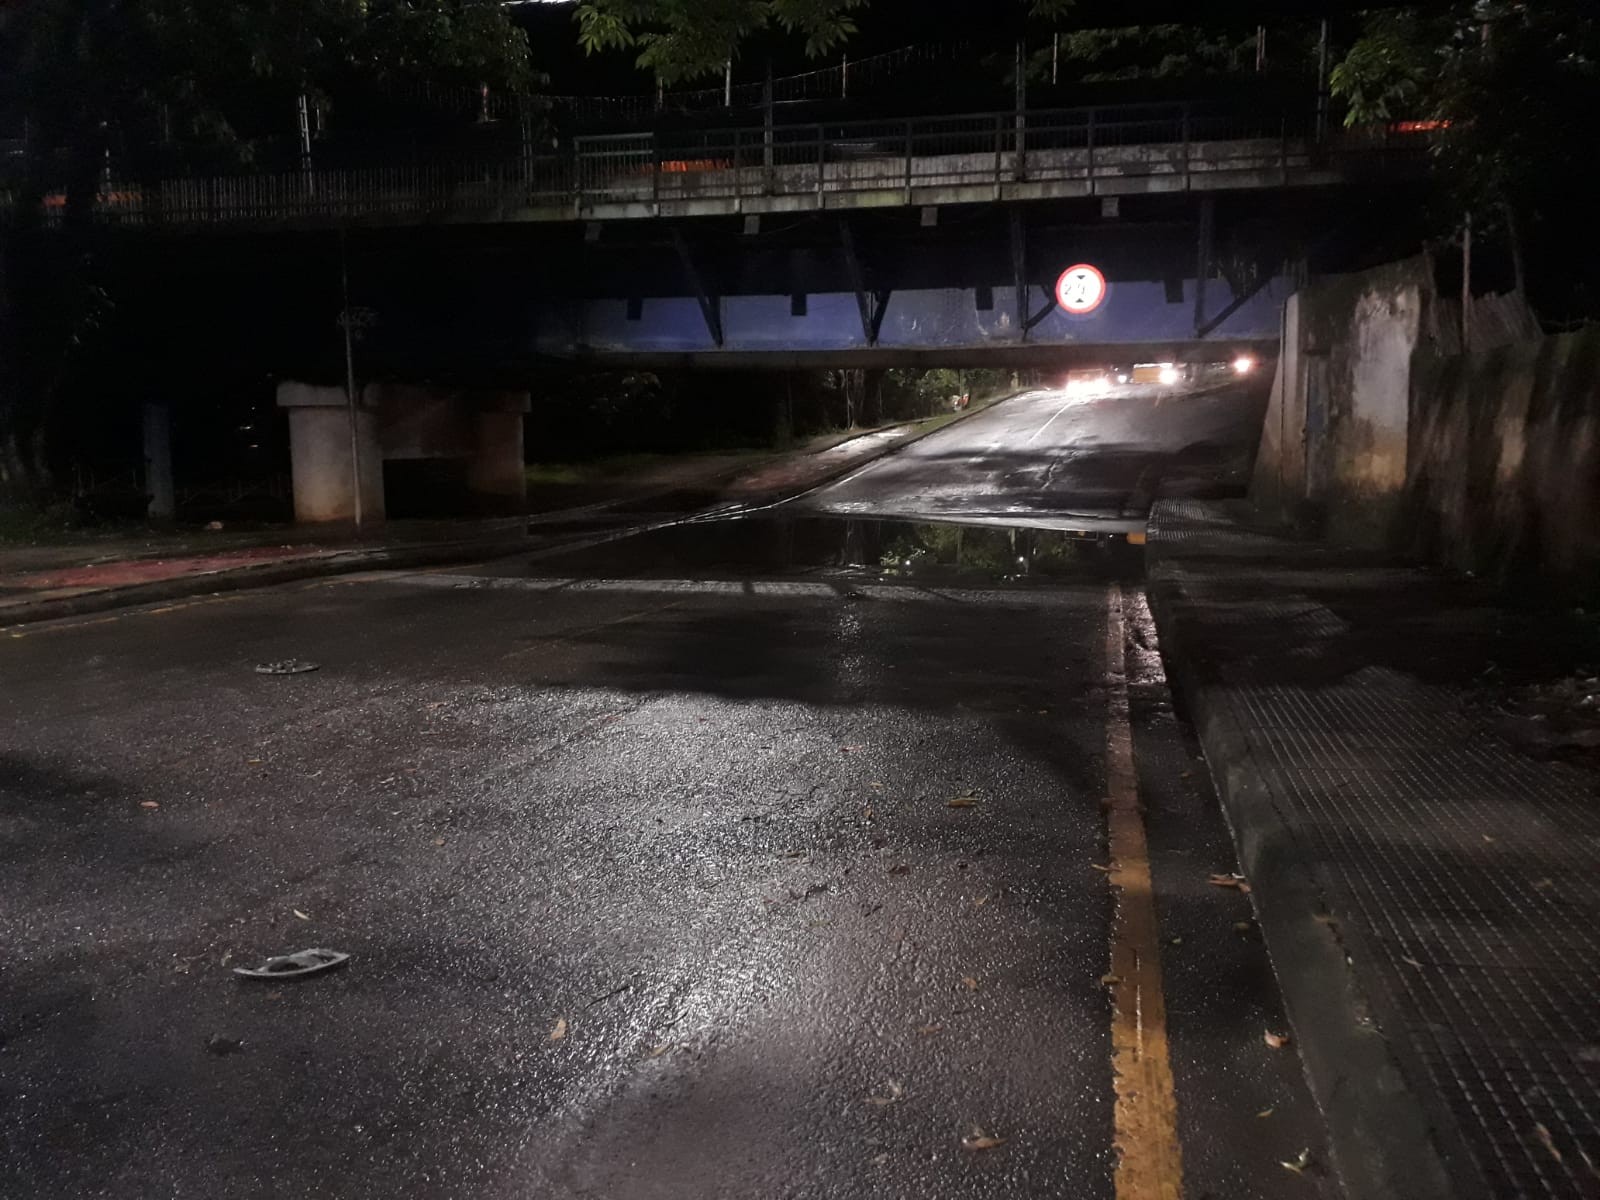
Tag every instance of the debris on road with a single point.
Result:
(978, 1140)
(287, 666)
(1276, 1040)
(560, 1031)
(149, 804)
(895, 1093)
(295, 966)
(1301, 1163)
(1237, 882)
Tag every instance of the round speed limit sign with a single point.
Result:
(1080, 289)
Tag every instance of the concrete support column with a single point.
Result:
(319, 455)
(497, 475)
(162, 504)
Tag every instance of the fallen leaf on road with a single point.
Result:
(1243, 926)
(981, 1141)
(148, 804)
(1547, 1141)
(961, 802)
(968, 982)
(1177, 941)
(438, 841)
(659, 1050)
(1276, 1040)
(301, 915)
(980, 902)
(560, 1031)
(1109, 980)
(252, 762)
(1105, 868)
(1299, 1163)
(930, 1030)
(1229, 881)
(1265, 1112)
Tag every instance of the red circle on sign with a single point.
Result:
(1080, 289)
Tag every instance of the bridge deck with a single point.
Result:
(929, 161)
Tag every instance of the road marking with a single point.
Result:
(1048, 423)
(1149, 1163)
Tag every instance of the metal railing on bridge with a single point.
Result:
(928, 160)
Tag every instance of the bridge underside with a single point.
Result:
(1138, 320)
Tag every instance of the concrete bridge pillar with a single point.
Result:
(425, 451)
(320, 455)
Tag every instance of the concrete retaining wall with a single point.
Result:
(1334, 446)
(1505, 461)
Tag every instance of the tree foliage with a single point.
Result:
(1514, 91)
(679, 40)
(132, 79)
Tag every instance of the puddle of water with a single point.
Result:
(772, 545)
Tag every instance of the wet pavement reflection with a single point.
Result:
(804, 546)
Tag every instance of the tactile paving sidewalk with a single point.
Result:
(1465, 873)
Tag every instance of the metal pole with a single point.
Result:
(1055, 59)
(1466, 285)
(350, 377)
(844, 79)
(727, 85)
(766, 131)
(1022, 108)
(1322, 82)
(1261, 48)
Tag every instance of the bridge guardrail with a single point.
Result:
(981, 150)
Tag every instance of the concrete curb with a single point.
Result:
(1383, 1143)
(232, 579)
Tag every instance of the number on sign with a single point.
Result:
(1080, 289)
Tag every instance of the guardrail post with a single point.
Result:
(822, 167)
(655, 173)
(1185, 121)
(1090, 174)
(999, 151)
(910, 148)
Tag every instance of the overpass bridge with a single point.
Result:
(994, 157)
(928, 241)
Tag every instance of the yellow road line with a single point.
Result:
(1150, 1163)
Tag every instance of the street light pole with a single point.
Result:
(350, 376)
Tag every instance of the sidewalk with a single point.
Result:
(1411, 777)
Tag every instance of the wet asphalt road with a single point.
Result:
(1089, 458)
(645, 858)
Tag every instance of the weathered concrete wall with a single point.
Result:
(1334, 446)
(1505, 463)
(319, 455)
